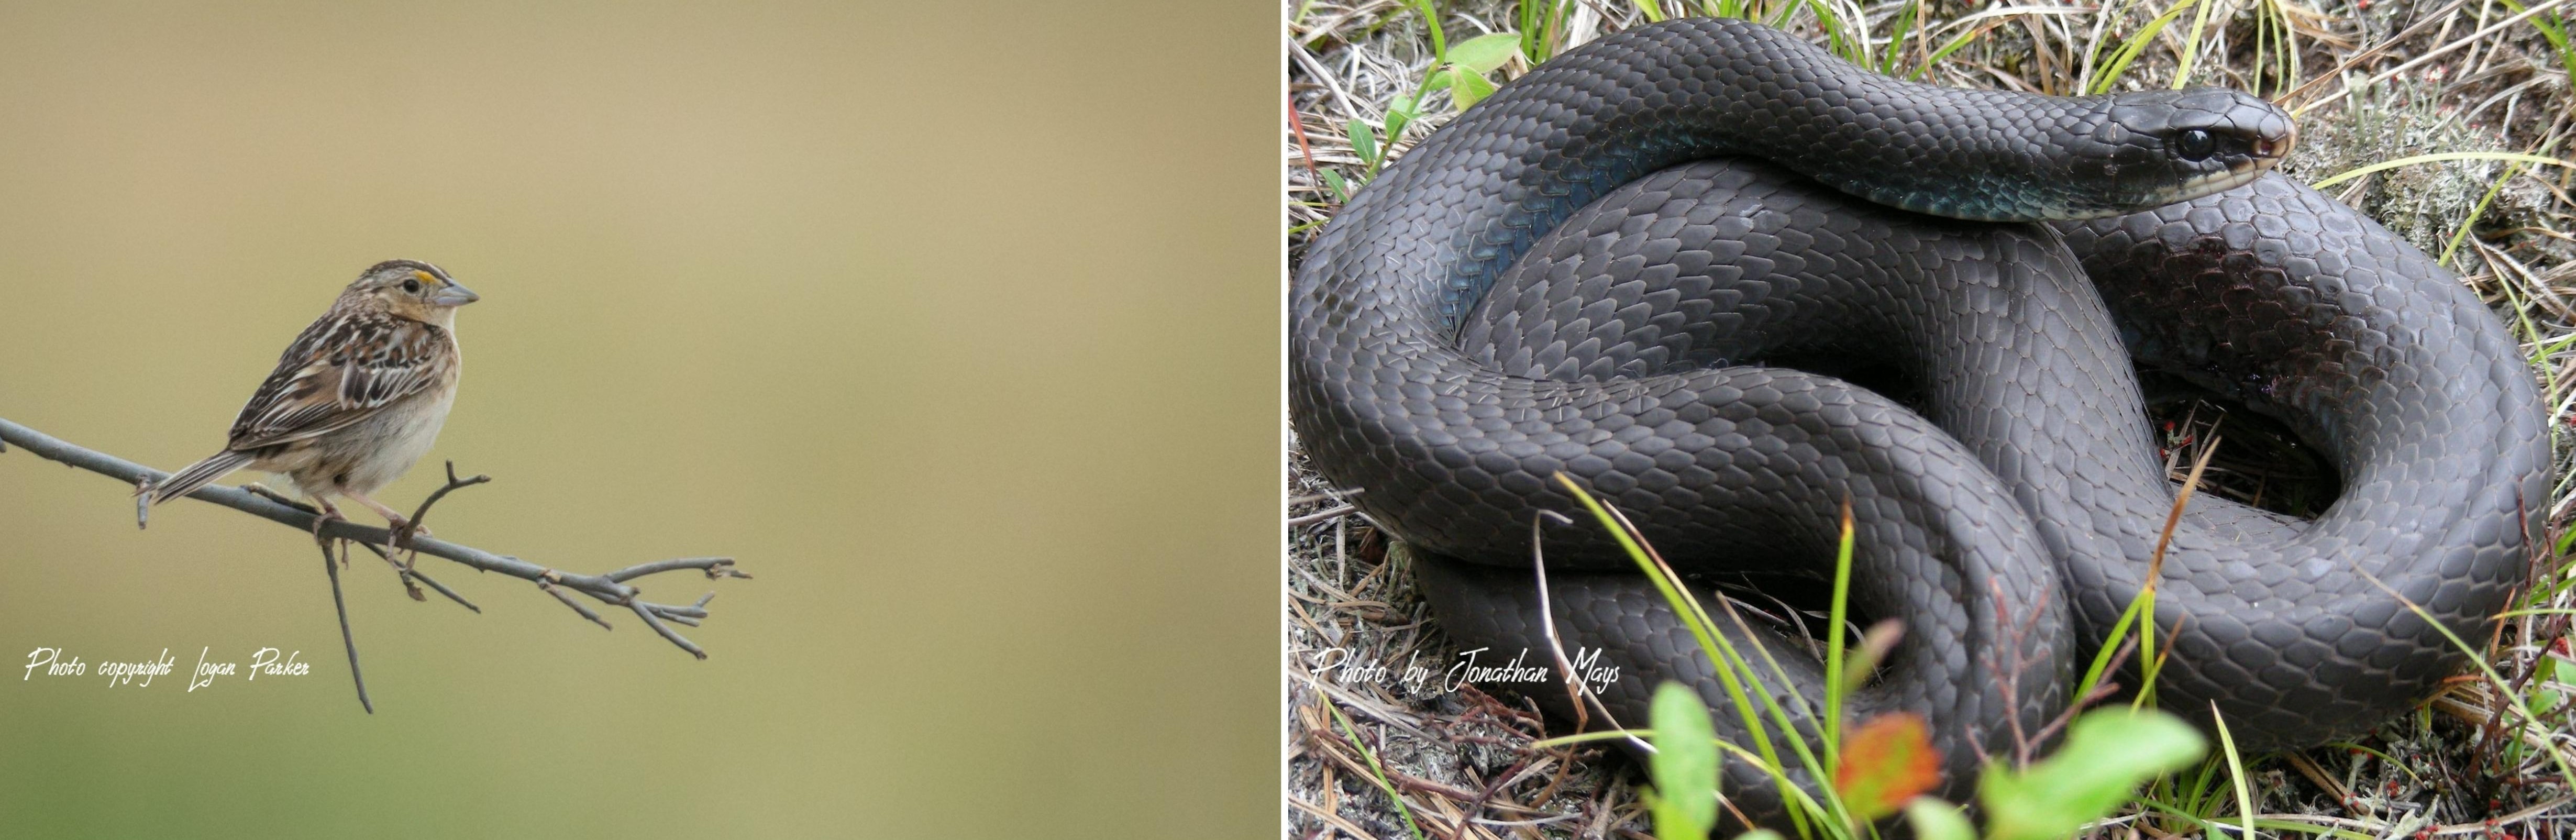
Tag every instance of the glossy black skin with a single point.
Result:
(1476, 321)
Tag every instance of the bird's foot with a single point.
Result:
(404, 531)
(325, 518)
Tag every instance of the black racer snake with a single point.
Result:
(1609, 267)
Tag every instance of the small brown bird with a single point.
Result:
(357, 398)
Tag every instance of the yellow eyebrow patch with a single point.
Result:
(425, 277)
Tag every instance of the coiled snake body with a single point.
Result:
(1531, 291)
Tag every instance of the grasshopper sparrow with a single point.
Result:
(356, 399)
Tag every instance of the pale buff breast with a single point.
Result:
(373, 452)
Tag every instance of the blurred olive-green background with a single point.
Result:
(956, 323)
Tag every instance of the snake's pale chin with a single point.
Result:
(2215, 184)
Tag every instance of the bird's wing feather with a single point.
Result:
(339, 371)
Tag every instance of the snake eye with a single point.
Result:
(2195, 144)
(411, 286)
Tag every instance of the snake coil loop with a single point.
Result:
(1532, 290)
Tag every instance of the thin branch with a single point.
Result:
(453, 483)
(402, 571)
(1319, 517)
(549, 588)
(658, 627)
(611, 590)
(407, 574)
(716, 567)
(333, 568)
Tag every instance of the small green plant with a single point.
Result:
(1464, 70)
(1372, 155)
(1372, 152)
(1886, 764)
(2107, 753)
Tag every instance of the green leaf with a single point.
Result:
(2107, 753)
(1439, 81)
(1395, 123)
(1685, 764)
(2544, 675)
(1363, 141)
(1469, 88)
(1485, 53)
(1934, 819)
(1341, 188)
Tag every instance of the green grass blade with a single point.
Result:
(1720, 653)
(2135, 45)
(1838, 615)
(2120, 630)
(1377, 772)
(1896, 37)
(2503, 687)
(2191, 46)
(2350, 174)
(2235, 769)
(1439, 43)
(2554, 30)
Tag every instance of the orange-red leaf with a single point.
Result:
(1884, 763)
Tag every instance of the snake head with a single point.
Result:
(2159, 147)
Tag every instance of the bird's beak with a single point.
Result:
(455, 294)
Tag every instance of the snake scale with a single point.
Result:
(1659, 262)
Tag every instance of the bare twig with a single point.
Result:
(453, 483)
(604, 588)
(407, 575)
(716, 568)
(402, 571)
(646, 613)
(548, 586)
(2437, 52)
(1321, 516)
(406, 530)
(342, 605)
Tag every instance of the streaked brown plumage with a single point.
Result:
(357, 398)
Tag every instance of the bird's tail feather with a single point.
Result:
(200, 474)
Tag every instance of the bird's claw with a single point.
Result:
(326, 517)
(405, 530)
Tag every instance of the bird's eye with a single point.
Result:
(2195, 144)
(411, 286)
